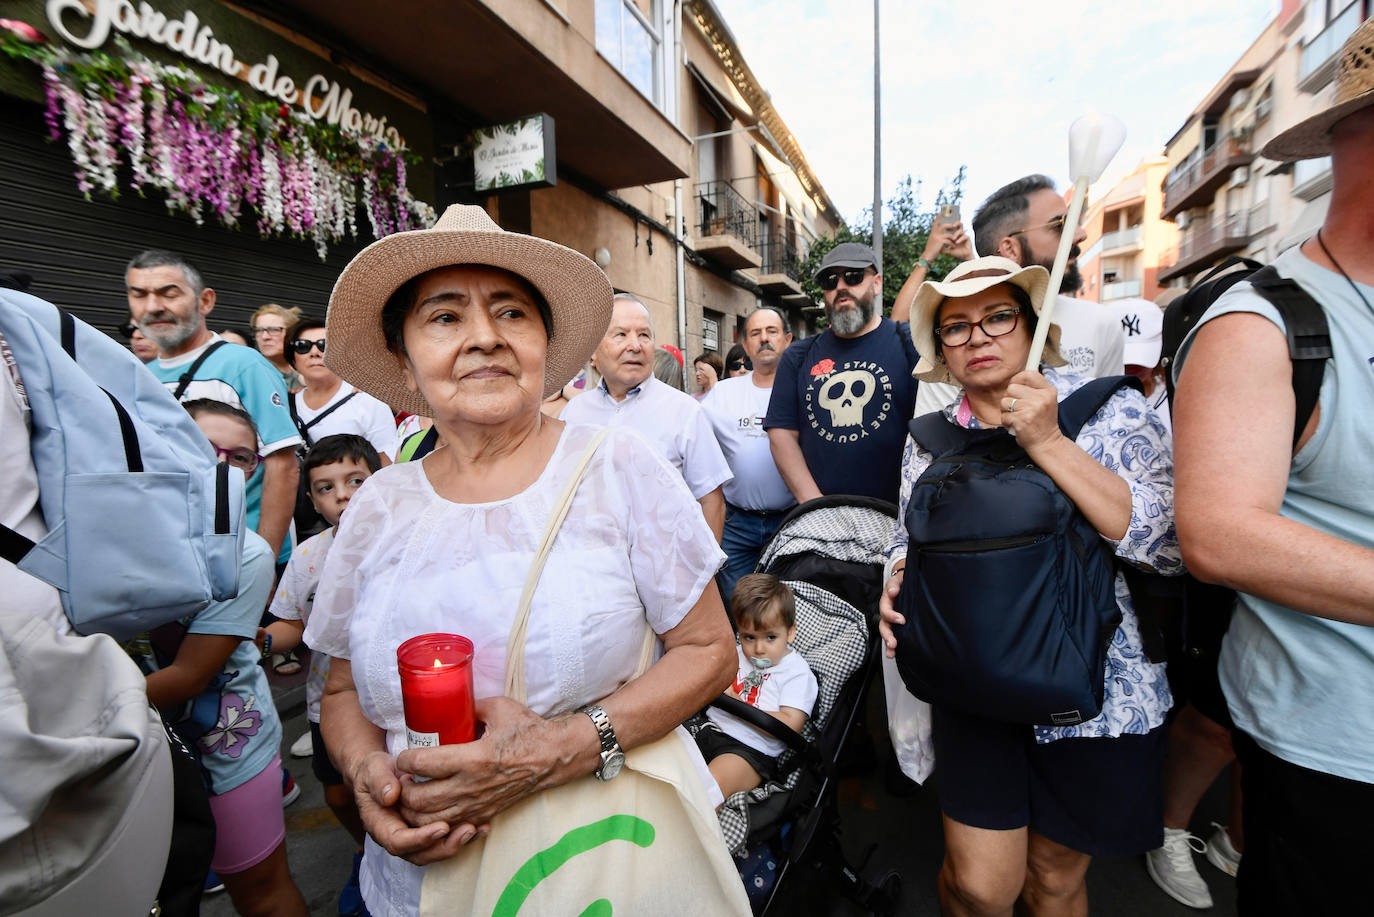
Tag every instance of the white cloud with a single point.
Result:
(993, 85)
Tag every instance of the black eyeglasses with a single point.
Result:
(995, 325)
(1056, 224)
(852, 278)
(301, 346)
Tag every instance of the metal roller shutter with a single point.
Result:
(76, 249)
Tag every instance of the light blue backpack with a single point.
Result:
(144, 525)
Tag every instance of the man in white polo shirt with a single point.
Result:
(672, 421)
(758, 497)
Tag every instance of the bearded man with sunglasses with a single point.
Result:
(168, 302)
(837, 419)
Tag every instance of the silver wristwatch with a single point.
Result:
(612, 757)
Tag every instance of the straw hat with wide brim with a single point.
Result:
(1354, 90)
(577, 291)
(965, 280)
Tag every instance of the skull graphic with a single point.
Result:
(845, 395)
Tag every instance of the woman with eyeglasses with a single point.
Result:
(139, 344)
(327, 405)
(270, 325)
(737, 362)
(1027, 804)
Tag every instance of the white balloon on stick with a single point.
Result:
(1093, 140)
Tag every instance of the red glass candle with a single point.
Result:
(436, 689)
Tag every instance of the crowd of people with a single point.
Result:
(482, 437)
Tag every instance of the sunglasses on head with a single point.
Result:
(852, 278)
(302, 346)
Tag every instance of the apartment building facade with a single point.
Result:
(1126, 237)
(1224, 197)
(630, 130)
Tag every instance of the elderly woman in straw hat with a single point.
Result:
(474, 327)
(1026, 806)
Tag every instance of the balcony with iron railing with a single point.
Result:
(1205, 244)
(1130, 237)
(1317, 65)
(727, 228)
(1197, 184)
(780, 272)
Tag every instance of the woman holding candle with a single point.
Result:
(474, 326)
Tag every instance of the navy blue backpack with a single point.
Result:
(1008, 594)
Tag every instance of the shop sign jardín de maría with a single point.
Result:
(90, 24)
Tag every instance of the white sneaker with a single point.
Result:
(303, 747)
(1221, 853)
(1173, 869)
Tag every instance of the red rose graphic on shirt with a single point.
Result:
(823, 368)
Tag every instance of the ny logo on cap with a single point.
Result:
(1131, 324)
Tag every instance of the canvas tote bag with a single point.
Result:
(646, 842)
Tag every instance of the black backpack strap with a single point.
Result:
(304, 428)
(190, 373)
(1078, 408)
(934, 433)
(1309, 340)
(13, 546)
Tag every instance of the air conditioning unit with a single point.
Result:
(1239, 99)
(1239, 177)
(1184, 219)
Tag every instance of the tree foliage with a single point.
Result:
(905, 232)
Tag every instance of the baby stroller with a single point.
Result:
(830, 552)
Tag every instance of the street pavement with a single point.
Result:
(902, 831)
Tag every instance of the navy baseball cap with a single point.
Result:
(848, 254)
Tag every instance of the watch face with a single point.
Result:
(611, 765)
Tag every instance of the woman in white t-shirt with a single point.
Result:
(474, 326)
(328, 405)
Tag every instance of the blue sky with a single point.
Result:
(993, 85)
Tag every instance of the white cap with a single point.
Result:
(1142, 324)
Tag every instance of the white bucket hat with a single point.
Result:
(577, 291)
(965, 280)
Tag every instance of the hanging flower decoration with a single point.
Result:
(211, 152)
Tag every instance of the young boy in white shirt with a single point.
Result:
(772, 677)
(334, 468)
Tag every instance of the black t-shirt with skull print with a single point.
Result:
(849, 399)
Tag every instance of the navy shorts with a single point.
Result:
(323, 768)
(1099, 796)
(714, 742)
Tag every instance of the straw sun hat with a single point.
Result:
(968, 278)
(577, 291)
(1354, 90)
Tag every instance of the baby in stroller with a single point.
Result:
(771, 677)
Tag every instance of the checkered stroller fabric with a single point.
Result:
(832, 634)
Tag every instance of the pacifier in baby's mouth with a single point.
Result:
(761, 662)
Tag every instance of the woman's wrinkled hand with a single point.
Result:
(888, 616)
(377, 788)
(1030, 411)
(466, 785)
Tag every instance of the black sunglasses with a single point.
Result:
(852, 277)
(302, 346)
(737, 366)
(126, 330)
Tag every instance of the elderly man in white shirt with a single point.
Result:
(758, 498)
(672, 421)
